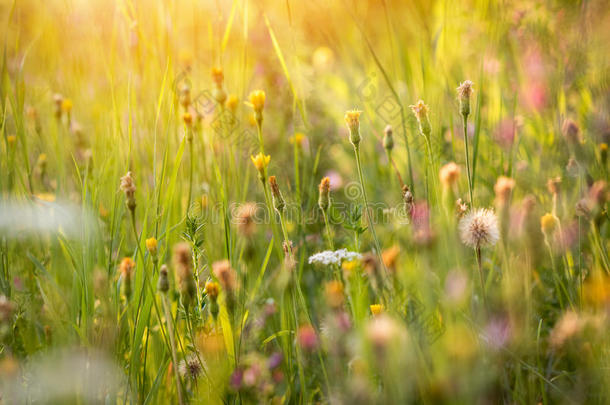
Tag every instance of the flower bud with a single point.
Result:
(324, 199)
(151, 246)
(388, 139)
(464, 92)
(352, 119)
(278, 199)
(163, 282)
(421, 113)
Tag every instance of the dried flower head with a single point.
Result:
(464, 91)
(352, 119)
(324, 199)
(6, 309)
(126, 268)
(163, 282)
(245, 218)
(449, 174)
(225, 274)
(129, 188)
(190, 367)
(183, 263)
(276, 194)
(553, 185)
(479, 228)
(503, 189)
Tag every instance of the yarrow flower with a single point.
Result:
(479, 228)
(329, 257)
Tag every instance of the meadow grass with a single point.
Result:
(200, 203)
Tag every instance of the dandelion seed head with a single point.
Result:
(479, 228)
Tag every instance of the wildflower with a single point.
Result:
(352, 119)
(465, 90)
(553, 185)
(245, 218)
(449, 174)
(261, 162)
(389, 256)
(232, 103)
(212, 289)
(11, 139)
(376, 309)
(388, 140)
(163, 282)
(503, 188)
(66, 106)
(190, 367)
(183, 262)
(129, 188)
(307, 338)
(126, 268)
(334, 293)
(58, 100)
(421, 113)
(548, 224)
(225, 274)
(568, 326)
(6, 309)
(349, 266)
(151, 246)
(188, 119)
(479, 228)
(329, 257)
(407, 197)
(278, 199)
(324, 199)
(185, 96)
(257, 100)
(460, 208)
(218, 93)
(571, 131)
(381, 331)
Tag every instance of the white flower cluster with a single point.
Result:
(329, 257)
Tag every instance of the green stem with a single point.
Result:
(465, 126)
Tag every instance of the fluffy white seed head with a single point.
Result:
(479, 228)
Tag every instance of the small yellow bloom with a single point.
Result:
(188, 118)
(11, 139)
(298, 138)
(349, 266)
(48, 197)
(212, 289)
(217, 76)
(548, 223)
(151, 245)
(66, 105)
(376, 309)
(232, 103)
(103, 211)
(420, 109)
(260, 162)
(257, 99)
(126, 267)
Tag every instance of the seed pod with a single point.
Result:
(278, 199)
(163, 282)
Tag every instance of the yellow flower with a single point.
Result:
(151, 245)
(48, 197)
(298, 138)
(212, 289)
(349, 266)
(11, 139)
(66, 105)
(217, 76)
(232, 103)
(548, 223)
(352, 119)
(260, 162)
(188, 118)
(257, 99)
(376, 309)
